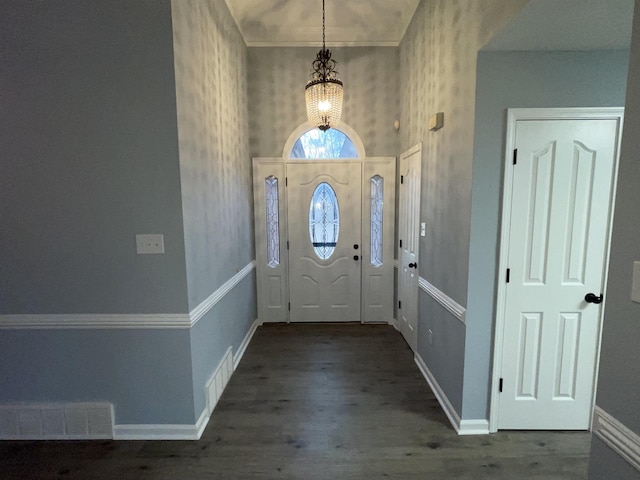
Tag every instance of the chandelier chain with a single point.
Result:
(323, 23)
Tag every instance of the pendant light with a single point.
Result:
(324, 91)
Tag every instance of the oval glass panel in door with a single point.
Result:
(324, 221)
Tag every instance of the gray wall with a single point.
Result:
(215, 166)
(511, 80)
(89, 158)
(437, 72)
(619, 377)
(146, 373)
(277, 77)
(215, 172)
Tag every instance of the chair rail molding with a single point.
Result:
(443, 299)
(124, 321)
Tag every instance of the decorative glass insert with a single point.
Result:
(318, 144)
(273, 223)
(324, 220)
(377, 203)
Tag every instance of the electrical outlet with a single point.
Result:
(430, 337)
(150, 243)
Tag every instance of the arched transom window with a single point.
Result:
(332, 143)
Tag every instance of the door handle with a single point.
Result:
(413, 265)
(356, 258)
(593, 298)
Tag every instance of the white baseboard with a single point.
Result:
(162, 432)
(618, 436)
(449, 411)
(462, 427)
(245, 343)
(59, 421)
(474, 427)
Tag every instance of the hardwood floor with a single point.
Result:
(316, 402)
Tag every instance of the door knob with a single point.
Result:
(413, 265)
(593, 298)
(356, 258)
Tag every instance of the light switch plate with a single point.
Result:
(423, 229)
(635, 283)
(150, 243)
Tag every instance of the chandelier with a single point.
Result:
(323, 92)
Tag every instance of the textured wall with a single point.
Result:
(510, 80)
(438, 72)
(89, 158)
(277, 77)
(215, 170)
(215, 165)
(619, 378)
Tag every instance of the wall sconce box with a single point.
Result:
(436, 122)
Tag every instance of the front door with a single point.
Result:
(561, 207)
(324, 221)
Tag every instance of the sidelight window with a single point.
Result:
(377, 203)
(273, 222)
(324, 221)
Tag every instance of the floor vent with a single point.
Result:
(70, 421)
(219, 379)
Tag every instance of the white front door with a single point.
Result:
(324, 221)
(408, 240)
(560, 213)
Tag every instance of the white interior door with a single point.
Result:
(560, 214)
(324, 221)
(408, 242)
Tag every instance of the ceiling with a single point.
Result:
(295, 23)
(568, 25)
(542, 24)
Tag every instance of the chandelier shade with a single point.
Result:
(324, 91)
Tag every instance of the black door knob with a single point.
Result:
(413, 265)
(356, 246)
(356, 258)
(593, 298)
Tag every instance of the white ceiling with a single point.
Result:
(542, 24)
(299, 22)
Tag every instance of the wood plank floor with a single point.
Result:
(316, 402)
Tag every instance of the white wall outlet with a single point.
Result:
(430, 337)
(635, 283)
(423, 229)
(150, 243)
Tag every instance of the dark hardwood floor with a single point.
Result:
(316, 402)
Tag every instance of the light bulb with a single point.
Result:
(324, 105)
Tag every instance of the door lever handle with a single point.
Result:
(413, 265)
(593, 298)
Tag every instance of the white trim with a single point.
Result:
(449, 411)
(462, 427)
(474, 427)
(443, 299)
(310, 43)
(103, 321)
(616, 435)
(306, 126)
(237, 356)
(514, 115)
(120, 321)
(201, 310)
(162, 432)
